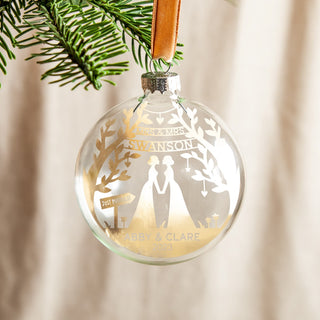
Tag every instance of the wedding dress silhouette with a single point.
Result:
(144, 216)
(178, 211)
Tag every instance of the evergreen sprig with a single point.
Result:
(81, 40)
(77, 39)
(10, 14)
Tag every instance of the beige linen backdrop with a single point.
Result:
(258, 67)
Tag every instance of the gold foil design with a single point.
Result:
(105, 150)
(161, 146)
(178, 234)
(219, 164)
(175, 237)
(115, 202)
(166, 242)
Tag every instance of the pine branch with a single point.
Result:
(10, 16)
(77, 39)
(81, 40)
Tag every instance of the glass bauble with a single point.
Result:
(159, 179)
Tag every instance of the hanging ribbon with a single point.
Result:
(165, 23)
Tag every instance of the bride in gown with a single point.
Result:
(144, 216)
(178, 211)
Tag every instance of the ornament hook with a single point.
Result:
(154, 70)
(169, 67)
(151, 65)
(139, 104)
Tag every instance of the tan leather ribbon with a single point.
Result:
(165, 23)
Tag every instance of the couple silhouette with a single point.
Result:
(145, 215)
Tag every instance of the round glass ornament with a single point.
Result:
(159, 178)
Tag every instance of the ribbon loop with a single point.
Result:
(165, 23)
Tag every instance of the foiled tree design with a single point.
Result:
(115, 173)
(219, 168)
(113, 151)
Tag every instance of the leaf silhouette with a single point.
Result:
(104, 180)
(211, 133)
(109, 123)
(109, 133)
(190, 134)
(201, 148)
(99, 145)
(220, 188)
(145, 119)
(186, 155)
(119, 149)
(200, 132)
(194, 154)
(174, 119)
(198, 176)
(127, 164)
(205, 171)
(135, 155)
(106, 189)
(123, 176)
(210, 122)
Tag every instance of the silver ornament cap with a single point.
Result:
(161, 81)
